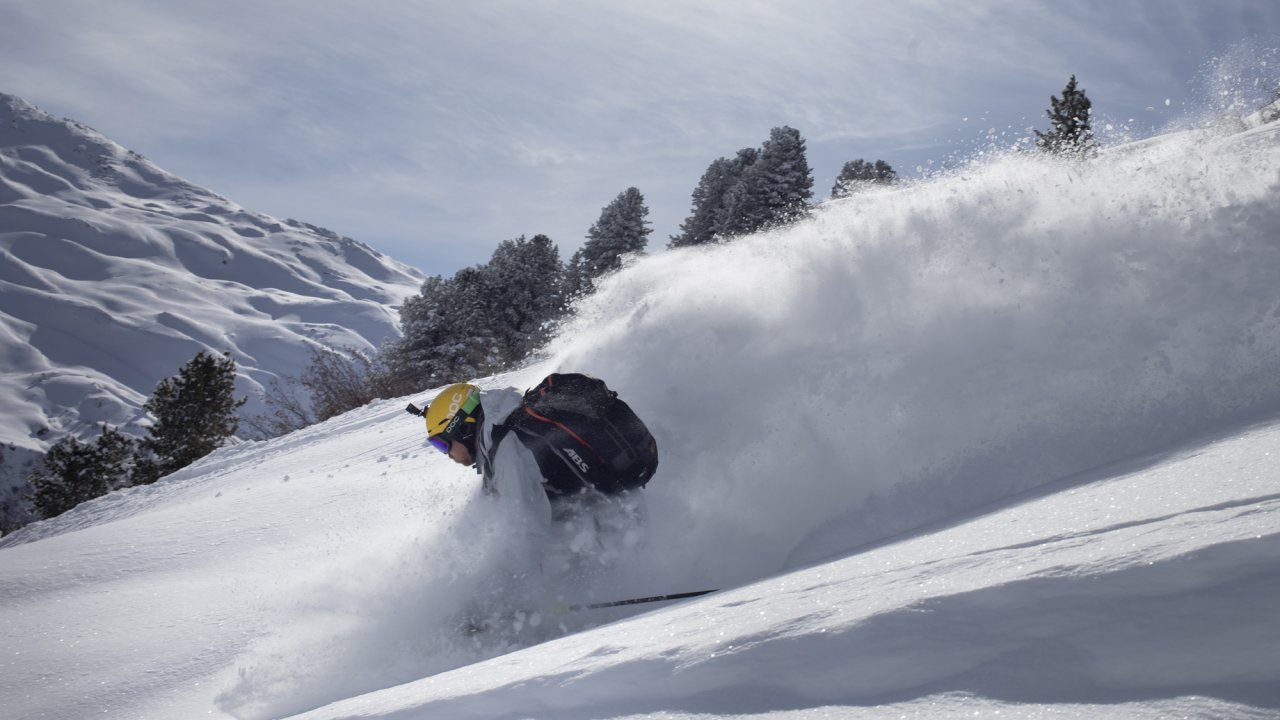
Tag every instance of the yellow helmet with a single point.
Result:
(448, 415)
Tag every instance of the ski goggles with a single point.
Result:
(444, 439)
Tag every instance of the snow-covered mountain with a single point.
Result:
(1001, 443)
(114, 273)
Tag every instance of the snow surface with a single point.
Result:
(1005, 442)
(114, 274)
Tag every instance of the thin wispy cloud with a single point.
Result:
(434, 130)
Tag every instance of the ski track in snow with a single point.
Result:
(972, 445)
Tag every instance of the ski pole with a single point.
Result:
(478, 626)
(634, 601)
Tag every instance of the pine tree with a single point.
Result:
(703, 224)
(473, 348)
(622, 229)
(66, 479)
(860, 174)
(195, 413)
(74, 471)
(1072, 131)
(481, 320)
(526, 279)
(576, 281)
(440, 333)
(115, 456)
(776, 189)
(411, 360)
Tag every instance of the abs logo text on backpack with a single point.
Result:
(577, 460)
(582, 436)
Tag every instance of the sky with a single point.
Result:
(1005, 444)
(434, 130)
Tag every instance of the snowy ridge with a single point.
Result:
(972, 446)
(114, 273)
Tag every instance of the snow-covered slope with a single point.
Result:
(114, 273)
(1138, 592)
(838, 406)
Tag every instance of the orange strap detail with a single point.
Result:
(562, 426)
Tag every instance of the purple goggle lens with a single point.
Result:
(438, 442)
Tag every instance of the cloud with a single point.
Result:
(494, 118)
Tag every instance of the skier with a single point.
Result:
(461, 422)
(559, 451)
(564, 460)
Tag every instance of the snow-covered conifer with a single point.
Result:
(775, 189)
(1072, 131)
(859, 174)
(74, 471)
(526, 279)
(622, 229)
(703, 224)
(194, 413)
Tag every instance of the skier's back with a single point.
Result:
(567, 440)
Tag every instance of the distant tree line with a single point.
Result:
(859, 175)
(756, 189)
(488, 318)
(193, 412)
(482, 320)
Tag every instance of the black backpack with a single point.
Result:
(582, 436)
